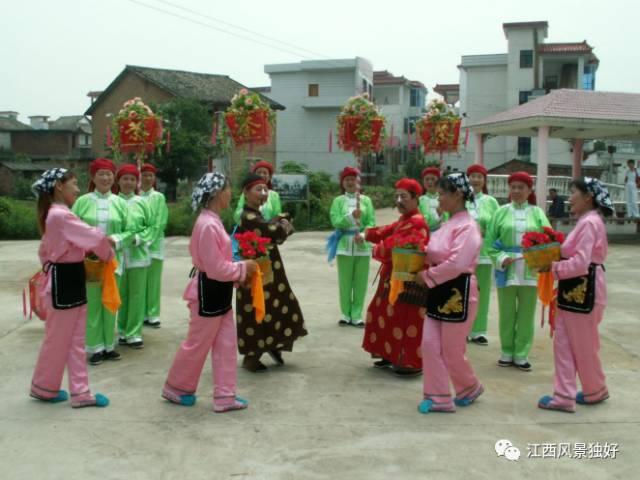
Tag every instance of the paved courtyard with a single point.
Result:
(326, 413)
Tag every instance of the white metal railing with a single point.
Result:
(499, 188)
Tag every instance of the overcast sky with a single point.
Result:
(54, 52)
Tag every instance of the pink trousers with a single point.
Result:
(215, 334)
(63, 345)
(576, 349)
(443, 357)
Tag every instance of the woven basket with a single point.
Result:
(540, 257)
(406, 263)
(266, 268)
(94, 270)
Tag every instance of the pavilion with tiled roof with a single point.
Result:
(573, 115)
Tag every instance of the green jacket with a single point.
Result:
(139, 224)
(271, 208)
(109, 213)
(428, 206)
(482, 211)
(159, 215)
(342, 219)
(509, 223)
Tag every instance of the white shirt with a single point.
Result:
(630, 177)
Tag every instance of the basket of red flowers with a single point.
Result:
(540, 249)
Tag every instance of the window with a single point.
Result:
(365, 86)
(523, 97)
(589, 78)
(410, 124)
(526, 58)
(524, 146)
(550, 82)
(314, 89)
(415, 96)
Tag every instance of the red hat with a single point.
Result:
(101, 164)
(525, 178)
(477, 168)
(431, 171)
(262, 164)
(128, 169)
(349, 172)
(410, 185)
(148, 167)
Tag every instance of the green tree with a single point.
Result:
(189, 124)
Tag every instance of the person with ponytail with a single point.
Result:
(576, 341)
(65, 242)
(102, 209)
(159, 216)
(482, 210)
(516, 283)
(428, 204)
(133, 283)
(272, 206)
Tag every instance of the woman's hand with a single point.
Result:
(507, 262)
(419, 279)
(359, 238)
(251, 266)
(357, 213)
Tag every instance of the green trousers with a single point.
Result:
(353, 276)
(483, 274)
(517, 313)
(101, 323)
(154, 287)
(133, 293)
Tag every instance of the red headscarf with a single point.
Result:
(148, 167)
(525, 178)
(263, 164)
(410, 185)
(128, 169)
(431, 171)
(101, 164)
(477, 168)
(348, 172)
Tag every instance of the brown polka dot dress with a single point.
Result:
(283, 322)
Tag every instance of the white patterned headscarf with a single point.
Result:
(208, 185)
(600, 193)
(461, 182)
(48, 180)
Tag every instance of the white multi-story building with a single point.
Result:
(313, 93)
(490, 84)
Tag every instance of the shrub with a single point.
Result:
(18, 219)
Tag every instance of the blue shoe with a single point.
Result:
(425, 406)
(468, 400)
(580, 400)
(242, 401)
(544, 401)
(545, 404)
(101, 400)
(187, 400)
(62, 396)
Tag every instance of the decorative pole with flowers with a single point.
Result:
(439, 129)
(135, 129)
(361, 130)
(249, 119)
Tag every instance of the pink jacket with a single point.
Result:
(453, 249)
(210, 249)
(586, 244)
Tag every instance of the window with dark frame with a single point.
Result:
(314, 89)
(526, 58)
(524, 146)
(523, 96)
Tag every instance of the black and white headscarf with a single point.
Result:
(48, 180)
(600, 193)
(461, 182)
(208, 185)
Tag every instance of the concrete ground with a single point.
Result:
(325, 414)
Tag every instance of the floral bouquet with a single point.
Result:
(249, 119)
(439, 129)
(254, 247)
(136, 128)
(540, 249)
(360, 126)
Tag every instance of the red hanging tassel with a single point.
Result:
(24, 303)
(168, 145)
(466, 137)
(331, 140)
(391, 137)
(214, 133)
(109, 139)
(409, 144)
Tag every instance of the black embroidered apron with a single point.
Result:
(578, 294)
(449, 301)
(68, 285)
(214, 297)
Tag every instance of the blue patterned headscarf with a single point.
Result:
(48, 180)
(600, 194)
(209, 184)
(461, 182)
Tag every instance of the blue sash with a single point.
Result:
(334, 239)
(501, 275)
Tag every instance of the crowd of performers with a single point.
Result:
(470, 243)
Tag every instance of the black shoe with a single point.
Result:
(276, 356)
(152, 324)
(480, 340)
(96, 358)
(358, 324)
(137, 345)
(505, 363)
(343, 323)
(407, 372)
(382, 363)
(122, 341)
(525, 367)
(253, 364)
(112, 355)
